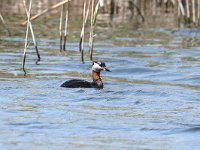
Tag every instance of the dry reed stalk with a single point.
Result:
(66, 24)
(4, 25)
(198, 10)
(93, 23)
(84, 23)
(154, 7)
(33, 36)
(26, 38)
(83, 32)
(193, 11)
(85, 17)
(112, 9)
(60, 28)
(187, 9)
(178, 13)
(173, 2)
(91, 31)
(46, 10)
(181, 7)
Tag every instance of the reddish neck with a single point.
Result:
(96, 76)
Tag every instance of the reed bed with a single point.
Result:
(188, 10)
(29, 25)
(184, 11)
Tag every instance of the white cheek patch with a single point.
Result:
(96, 67)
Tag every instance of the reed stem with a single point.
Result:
(85, 17)
(26, 37)
(83, 29)
(198, 10)
(33, 36)
(187, 9)
(181, 7)
(60, 28)
(91, 31)
(193, 12)
(66, 24)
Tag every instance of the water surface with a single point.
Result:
(150, 99)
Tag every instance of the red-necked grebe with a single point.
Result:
(97, 67)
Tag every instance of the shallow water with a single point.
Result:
(150, 99)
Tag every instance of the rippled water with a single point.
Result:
(151, 98)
